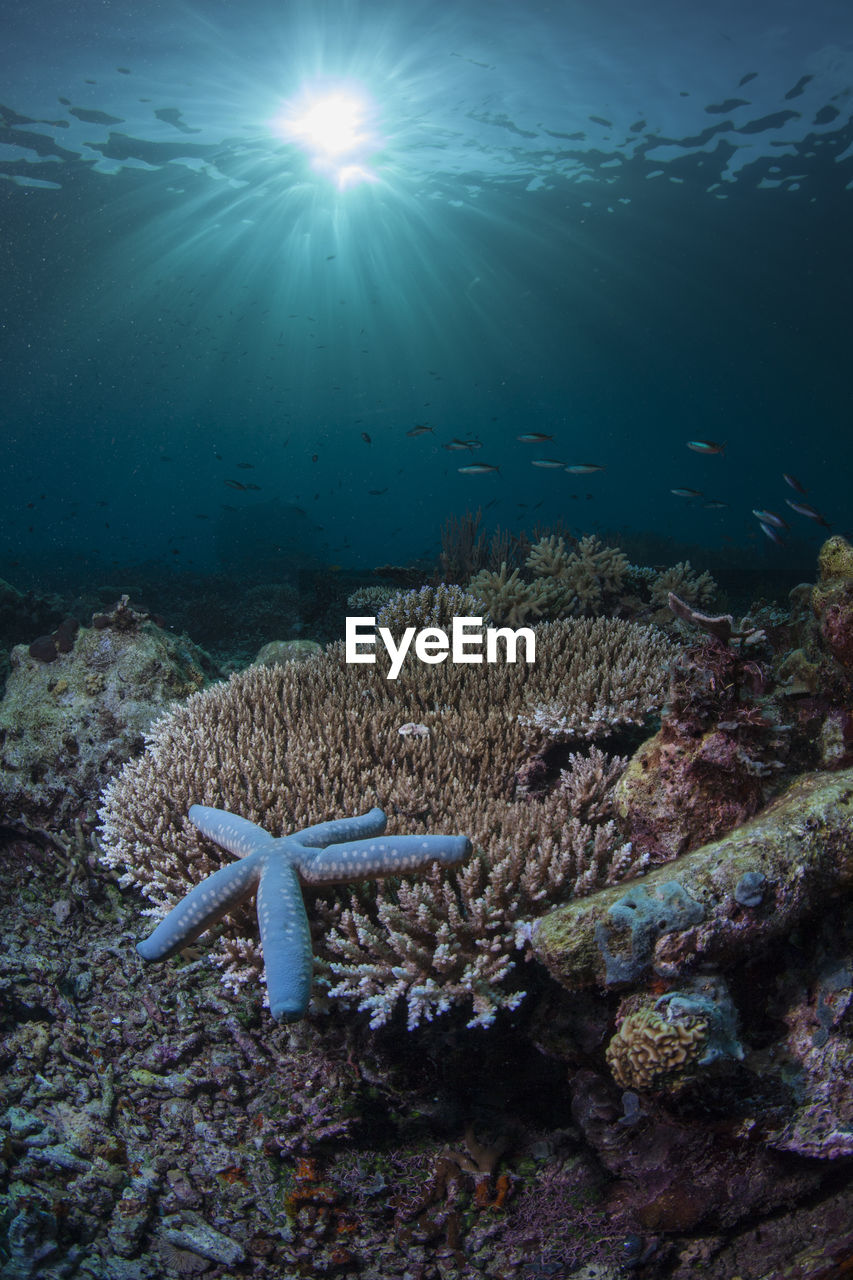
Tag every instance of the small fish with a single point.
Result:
(455, 445)
(771, 518)
(534, 437)
(314, 457)
(706, 446)
(374, 493)
(477, 469)
(583, 468)
(235, 484)
(773, 534)
(687, 493)
(548, 463)
(805, 509)
(256, 487)
(714, 504)
(245, 466)
(420, 429)
(366, 438)
(793, 482)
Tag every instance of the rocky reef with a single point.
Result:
(78, 703)
(671, 1097)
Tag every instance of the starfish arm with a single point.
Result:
(202, 907)
(342, 830)
(285, 939)
(372, 859)
(237, 835)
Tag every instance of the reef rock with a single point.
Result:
(716, 905)
(832, 599)
(68, 723)
(678, 792)
(277, 652)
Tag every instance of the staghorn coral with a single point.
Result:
(581, 578)
(290, 746)
(428, 607)
(683, 581)
(581, 581)
(506, 597)
(548, 557)
(589, 783)
(366, 600)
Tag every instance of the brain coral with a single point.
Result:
(288, 746)
(649, 1049)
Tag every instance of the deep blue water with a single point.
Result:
(626, 226)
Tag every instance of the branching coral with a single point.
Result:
(290, 746)
(615, 673)
(428, 607)
(684, 582)
(579, 581)
(576, 578)
(506, 597)
(366, 600)
(589, 578)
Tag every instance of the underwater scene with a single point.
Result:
(426, 640)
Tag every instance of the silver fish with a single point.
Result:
(773, 534)
(534, 437)
(548, 463)
(687, 493)
(806, 509)
(583, 468)
(771, 518)
(477, 469)
(706, 446)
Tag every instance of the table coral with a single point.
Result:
(286, 746)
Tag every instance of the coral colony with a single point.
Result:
(276, 742)
(692, 1025)
(328, 853)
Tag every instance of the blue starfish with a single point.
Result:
(329, 853)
